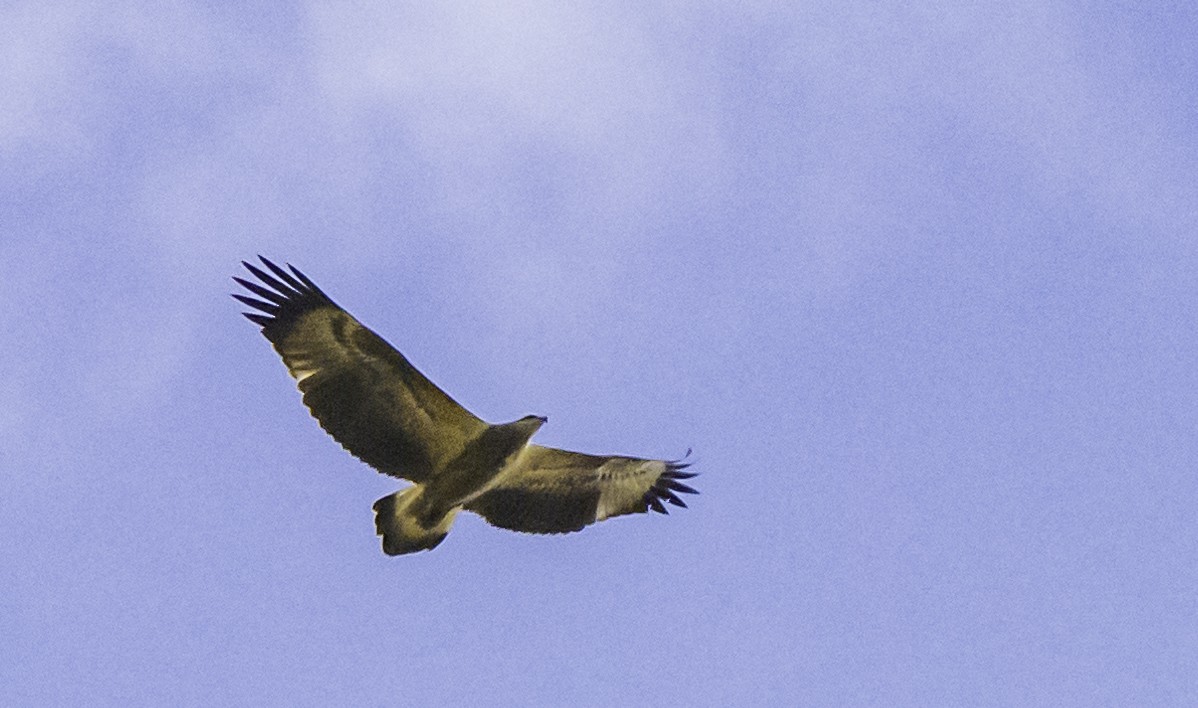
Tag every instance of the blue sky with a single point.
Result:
(917, 285)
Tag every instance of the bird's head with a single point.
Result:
(532, 423)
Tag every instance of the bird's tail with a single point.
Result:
(395, 519)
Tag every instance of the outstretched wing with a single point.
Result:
(546, 490)
(362, 390)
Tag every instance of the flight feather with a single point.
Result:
(360, 389)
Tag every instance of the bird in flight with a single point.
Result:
(372, 401)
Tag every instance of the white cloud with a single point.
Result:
(530, 146)
(480, 86)
(1085, 112)
(64, 63)
(43, 81)
(890, 96)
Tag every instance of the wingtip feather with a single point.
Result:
(680, 487)
(656, 505)
(285, 276)
(672, 498)
(260, 320)
(666, 487)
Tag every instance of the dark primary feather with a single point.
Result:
(667, 484)
(360, 389)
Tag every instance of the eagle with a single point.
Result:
(382, 410)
